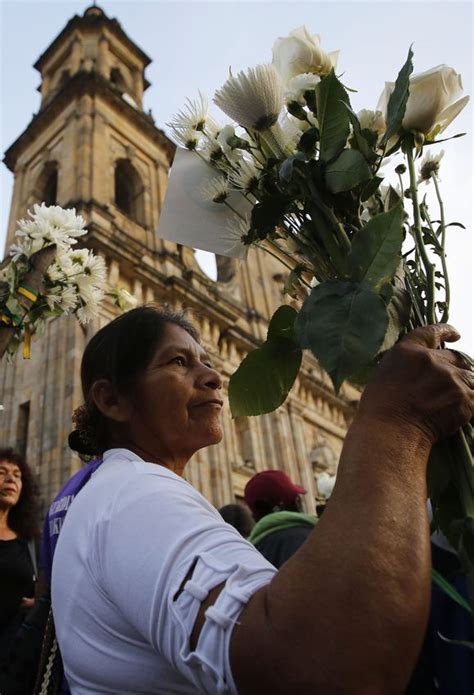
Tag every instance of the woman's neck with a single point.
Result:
(6, 533)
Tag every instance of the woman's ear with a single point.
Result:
(109, 402)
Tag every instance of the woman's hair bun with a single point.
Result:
(83, 439)
(80, 442)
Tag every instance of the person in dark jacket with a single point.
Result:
(281, 527)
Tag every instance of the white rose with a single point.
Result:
(433, 101)
(372, 120)
(298, 85)
(301, 53)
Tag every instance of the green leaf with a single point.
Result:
(308, 140)
(372, 186)
(359, 139)
(375, 252)
(343, 323)
(287, 169)
(264, 378)
(333, 118)
(398, 99)
(347, 171)
(450, 591)
(282, 323)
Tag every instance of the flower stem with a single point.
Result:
(428, 266)
(447, 291)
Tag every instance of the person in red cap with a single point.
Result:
(281, 526)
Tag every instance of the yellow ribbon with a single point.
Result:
(28, 293)
(27, 345)
(5, 319)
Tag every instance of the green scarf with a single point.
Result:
(278, 521)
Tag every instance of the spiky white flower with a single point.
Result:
(237, 229)
(95, 269)
(216, 190)
(253, 99)
(298, 85)
(211, 151)
(246, 177)
(87, 312)
(51, 225)
(429, 166)
(188, 137)
(193, 116)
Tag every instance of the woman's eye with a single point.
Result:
(181, 361)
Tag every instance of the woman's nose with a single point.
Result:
(212, 379)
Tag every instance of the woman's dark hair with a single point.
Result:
(239, 517)
(23, 517)
(119, 352)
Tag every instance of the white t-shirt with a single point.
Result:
(128, 542)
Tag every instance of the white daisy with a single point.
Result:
(253, 99)
(247, 176)
(429, 166)
(193, 116)
(95, 269)
(188, 137)
(216, 190)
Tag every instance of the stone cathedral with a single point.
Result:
(92, 146)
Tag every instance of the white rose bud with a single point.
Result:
(433, 101)
(372, 120)
(301, 53)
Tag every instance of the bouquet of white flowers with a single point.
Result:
(299, 174)
(45, 277)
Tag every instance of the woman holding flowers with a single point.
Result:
(154, 593)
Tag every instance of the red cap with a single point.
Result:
(272, 487)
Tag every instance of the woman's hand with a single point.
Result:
(422, 385)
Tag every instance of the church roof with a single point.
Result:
(93, 17)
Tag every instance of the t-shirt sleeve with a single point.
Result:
(160, 551)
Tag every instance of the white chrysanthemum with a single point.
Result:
(51, 225)
(69, 299)
(87, 312)
(247, 176)
(216, 190)
(253, 99)
(89, 292)
(23, 248)
(298, 85)
(95, 269)
(188, 137)
(237, 229)
(212, 128)
(53, 297)
(193, 116)
(78, 257)
(211, 151)
(430, 166)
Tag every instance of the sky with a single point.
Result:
(193, 44)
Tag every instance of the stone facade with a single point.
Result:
(92, 147)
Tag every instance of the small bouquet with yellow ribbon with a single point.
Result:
(45, 277)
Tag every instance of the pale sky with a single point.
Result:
(193, 44)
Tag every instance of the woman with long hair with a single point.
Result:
(18, 528)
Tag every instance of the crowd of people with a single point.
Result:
(153, 592)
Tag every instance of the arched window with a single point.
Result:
(117, 79)
(129, 196)
(46, 188)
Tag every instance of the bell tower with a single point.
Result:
(92, 146)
